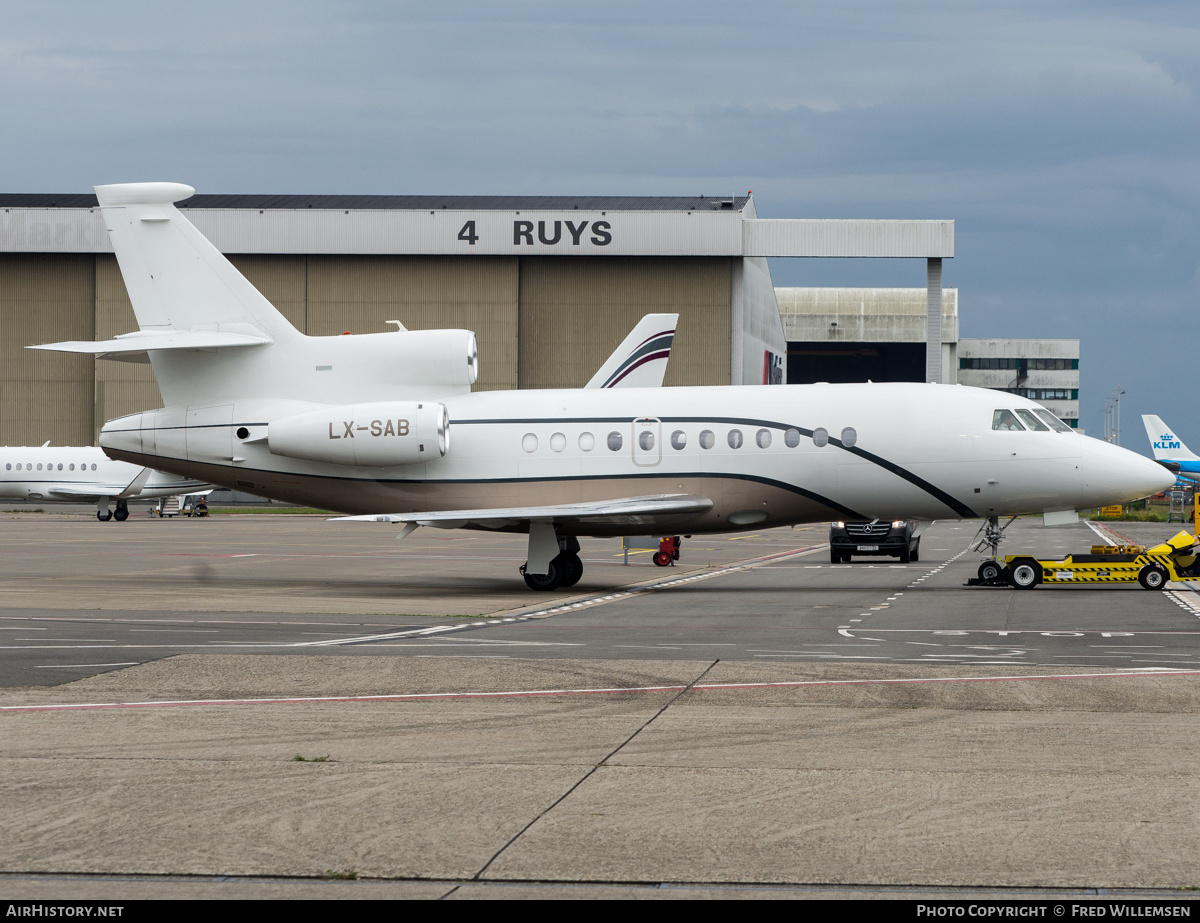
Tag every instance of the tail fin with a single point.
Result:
(1163, 441)
(641, 359)
(177, 280)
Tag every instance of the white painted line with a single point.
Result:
(1140, 672)
(76, 666)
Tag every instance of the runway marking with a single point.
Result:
(76, 666)
(574, 605)
(1138, 672)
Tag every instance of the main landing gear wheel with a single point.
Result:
(120, 514)
(1152, 577)
(572, 568)
(990, 570)
(551, 580)
(1026, 574)
(104, 515)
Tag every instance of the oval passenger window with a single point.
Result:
(734, 439)
(820, 437)
(849, 437)
(615, 441)
(678, 439)
(707, 439)
(792, 438)
(529, 442)
(587, 441)
(763, 438)
(646, 440)
(558, 442)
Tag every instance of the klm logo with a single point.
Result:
(1167, 442)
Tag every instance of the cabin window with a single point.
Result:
(39, 466)
(587, 441)
(93, 466)
(820, 437)
(60, 466)
(734, 439)
(646, 440)
(615, 441)
(72, 466)
(707, 439)
(1005, 421)
(849, 437)
(763, 438)
(529, 442)
(18, 466)
(8, 467)
(558, 442)
(1055, 423)
(791, 438)
(1033, 422)
(678, 439)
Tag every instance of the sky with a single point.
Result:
(1062, 138)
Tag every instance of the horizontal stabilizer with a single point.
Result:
(133, 344)
(632, 511)
(641, 359)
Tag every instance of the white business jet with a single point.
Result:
(84, 474)
(362, 424)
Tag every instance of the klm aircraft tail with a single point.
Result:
(1163, 441)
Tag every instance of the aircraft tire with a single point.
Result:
(1025, 574)
(551, 580)
(572, 568)
(1152, 577)
(104, 516)
(120, 514)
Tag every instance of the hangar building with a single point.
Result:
(550, 285)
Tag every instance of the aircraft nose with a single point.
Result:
(1114, 475)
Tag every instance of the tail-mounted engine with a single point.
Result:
(380, 434)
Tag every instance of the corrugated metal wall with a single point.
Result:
(361, 293)
(575, 311)
(45, 395)
(570, 314)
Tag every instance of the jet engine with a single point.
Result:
(378, 435)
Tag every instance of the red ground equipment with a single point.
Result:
(668, 551)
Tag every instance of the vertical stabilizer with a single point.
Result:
(176, 279)
(641, 359)
(1163, 441)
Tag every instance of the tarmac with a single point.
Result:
(434, 773)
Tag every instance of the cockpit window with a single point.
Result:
(1033, 422)
(1004, 420)
(1055, 423)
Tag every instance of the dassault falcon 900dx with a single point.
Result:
(362, 424)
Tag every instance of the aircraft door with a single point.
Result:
(647, 441)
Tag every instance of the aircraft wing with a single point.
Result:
(96, 491)
(641, 359)
(638, 511)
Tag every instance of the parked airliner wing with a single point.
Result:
(634, 510)
(641, 359)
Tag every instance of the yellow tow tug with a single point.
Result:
(1175, 559)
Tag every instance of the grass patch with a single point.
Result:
(310, 759)
(38, 510)
(342, 875)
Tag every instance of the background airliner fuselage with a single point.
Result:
(82, 474)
